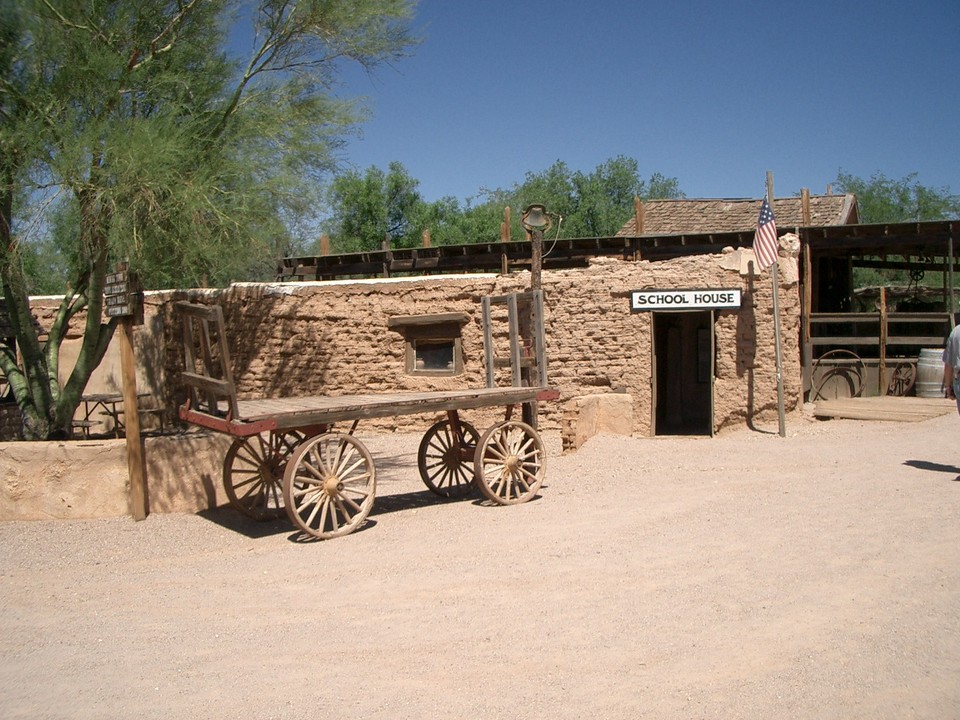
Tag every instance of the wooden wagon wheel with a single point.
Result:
(329, 485)
(851, 374)
(442, 459)
(903, 378)
(510, 463)
(253, 472)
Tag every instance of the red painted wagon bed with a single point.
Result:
(286, 456)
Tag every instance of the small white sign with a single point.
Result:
(119, 310)
(705, 299)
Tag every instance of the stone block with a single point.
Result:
(587, 415)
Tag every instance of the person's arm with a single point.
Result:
(948, 380)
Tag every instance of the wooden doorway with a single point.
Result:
(683, 365)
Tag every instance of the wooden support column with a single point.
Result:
(536, 259)
(387, 255)
(426, 238)
(504, 238)
(638, 221)
(951, 296)
(131, 416)
(806, 310)
(882, 365)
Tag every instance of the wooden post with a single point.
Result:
(882, 365)
(504, 238)
(952, 298)
(387, 255)
(426, 237)
(638, 214)
(805, 205)
(774, 275)
(324, 244)
(806, 312)
(138, 495)
(536, 258)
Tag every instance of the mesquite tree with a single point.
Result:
(132, 129)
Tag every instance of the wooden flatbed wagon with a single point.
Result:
(287, 457)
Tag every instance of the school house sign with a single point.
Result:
(696, 299)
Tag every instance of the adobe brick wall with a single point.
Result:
(332, 338)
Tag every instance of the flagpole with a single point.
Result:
(774, 275)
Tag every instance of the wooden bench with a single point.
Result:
(159, 413)
(83, 426)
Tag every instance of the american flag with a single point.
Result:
(765, 243)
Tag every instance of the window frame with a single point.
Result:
(435, 329)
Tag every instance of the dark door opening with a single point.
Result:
(683, 373)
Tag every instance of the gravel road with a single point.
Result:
(745, 576)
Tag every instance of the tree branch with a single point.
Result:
(171, 28)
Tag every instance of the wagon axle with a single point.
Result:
(332, 486)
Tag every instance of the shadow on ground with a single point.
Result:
(935, 467)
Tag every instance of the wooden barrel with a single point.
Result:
(930, 373)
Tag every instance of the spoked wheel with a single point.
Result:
(441, 459)
(253, 472)
(329, 485)
(903, 379)
(509, 463)
(837, 374)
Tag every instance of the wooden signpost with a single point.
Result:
(123, 299)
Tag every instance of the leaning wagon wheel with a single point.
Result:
(509, 463)
(850, 374)
(253, 471)
(329, 485)
(441, 459)
(903, 378)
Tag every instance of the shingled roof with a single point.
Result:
(676, 217)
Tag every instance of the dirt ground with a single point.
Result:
(746, 576)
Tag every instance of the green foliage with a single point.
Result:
(885, 200)
(368, 207)
(374, 205)
(595, 204)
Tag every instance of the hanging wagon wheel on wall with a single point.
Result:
(329, 485)
(253, 472)
(837, 368)
(902, 380)
(509, 463)
(444, 459)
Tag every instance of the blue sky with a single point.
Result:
(712, 93)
